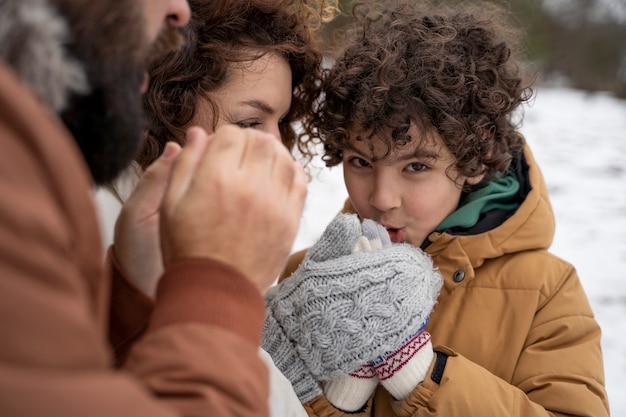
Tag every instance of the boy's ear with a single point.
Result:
(474, 180)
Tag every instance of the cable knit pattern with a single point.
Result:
(285, 356)
(342, 310)
(286, 359)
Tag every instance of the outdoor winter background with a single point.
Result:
(579, 141)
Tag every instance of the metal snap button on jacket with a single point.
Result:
(458, 276)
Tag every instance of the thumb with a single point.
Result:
(150, 189)
(376, 232)
(338, 239)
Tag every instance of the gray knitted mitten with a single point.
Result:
(285, 356)
(340, 309)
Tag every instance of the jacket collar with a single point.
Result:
(530, 227)
(32, 39)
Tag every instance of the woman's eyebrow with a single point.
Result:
(261, 105)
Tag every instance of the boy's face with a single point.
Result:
(410, 191)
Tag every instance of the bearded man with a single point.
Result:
(71, 74)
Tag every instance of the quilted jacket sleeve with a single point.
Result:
(551, 379)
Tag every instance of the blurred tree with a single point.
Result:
(580, 41)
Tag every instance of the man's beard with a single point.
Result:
(107, 125)
(108, 122)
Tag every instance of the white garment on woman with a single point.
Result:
(110, 199)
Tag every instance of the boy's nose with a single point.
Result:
(384, 195)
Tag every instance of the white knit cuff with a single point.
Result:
(351, 392)
(404, 369)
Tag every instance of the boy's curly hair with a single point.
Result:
(221, 34)
(452, 68)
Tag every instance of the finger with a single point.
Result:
(151, 187)
(376, 231)
(264, 155)
(362, 245)
(223, 155)
(298, 192)
(287, 173)
(338, 239)
(185, 165)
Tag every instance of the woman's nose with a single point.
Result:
(274, 130)
(178, 13)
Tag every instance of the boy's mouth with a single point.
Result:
(396, 235)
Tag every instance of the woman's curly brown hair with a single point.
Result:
(221, 34)
(451, 68)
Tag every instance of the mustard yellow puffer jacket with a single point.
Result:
(513, 318)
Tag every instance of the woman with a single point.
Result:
(236, 50)
(254, 64)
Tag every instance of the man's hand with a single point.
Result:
(236, 197)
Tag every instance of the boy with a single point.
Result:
(419, 108)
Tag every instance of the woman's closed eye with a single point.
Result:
(251, 124)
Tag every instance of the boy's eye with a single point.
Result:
(358, 162)
(248, 124)
(416, 167)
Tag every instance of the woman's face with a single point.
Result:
(257, 94)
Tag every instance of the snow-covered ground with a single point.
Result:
(579, 140)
